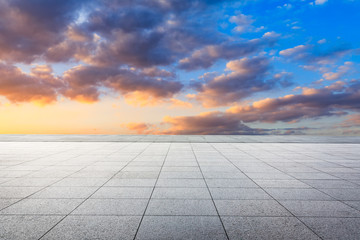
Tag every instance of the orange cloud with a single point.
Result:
(142, 128)
(40, 86)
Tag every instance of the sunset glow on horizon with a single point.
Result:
(179, 67)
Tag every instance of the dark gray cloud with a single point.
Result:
(337, 99)
(334, 100)
(208, 55)
(84, 83)
(207, 123)
(109, 37)
(247, 76)
(28, 28)
(316, 54)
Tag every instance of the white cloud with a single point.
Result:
(322, 41)
(242, 21)
(320, 2)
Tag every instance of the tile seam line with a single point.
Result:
(264, 189)
(49, 185)
(319, 189)
(35, 160)
(129, 143)
(212, 199)
(152, 192)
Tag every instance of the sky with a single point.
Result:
(180, 67)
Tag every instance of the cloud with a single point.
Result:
(126, 47)
(341, 71)
(28, 28)
(320, 2)
(85, 82)
(333, 100)
(208, 55)
(140, 128)
(336, 99)
(247, 76)
(148, 33)
(111, 33)
(242, 21)
(206, 123)
(322, 41)
(40, 86)
(352, 120)
(209, 123)
(311, 54)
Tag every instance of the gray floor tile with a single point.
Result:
(334, 228)
(95, 227)
(123, 192)
(181, 207)
(281, 184)
(178, 182)
(182, 193)
(267, 228)
(167, 175)
(354, 204)
(17, 192)
(5, 202)
(30, 182)
(137, 175)
(231, 183)
(43, 206)
(26, 227)
(297, 194)
(269, 176)
(112, 207)
(320, 209)
(330, 184)
(224, 175)
(129, 182)
(239, 193)
(180, 169)
(80, 182)
(181, 227)
(250, 208)
(316, 176)
(343, 193)
(65, 192)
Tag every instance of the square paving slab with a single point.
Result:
(179, 187)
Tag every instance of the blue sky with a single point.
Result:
(180, 67)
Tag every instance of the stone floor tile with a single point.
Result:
(112, 207)
(95, 227)
(130, 182)
(267, 228)
(239, 193)
(181, 193)
(181, 207)
(123, 192)
(65, 192)
(42, 206)
(26, 226)
(297, 194)
(250, 208)
(320, 209)
(231, 183)
(181, 227)
(334, 228)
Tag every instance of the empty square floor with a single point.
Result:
(179, 189)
